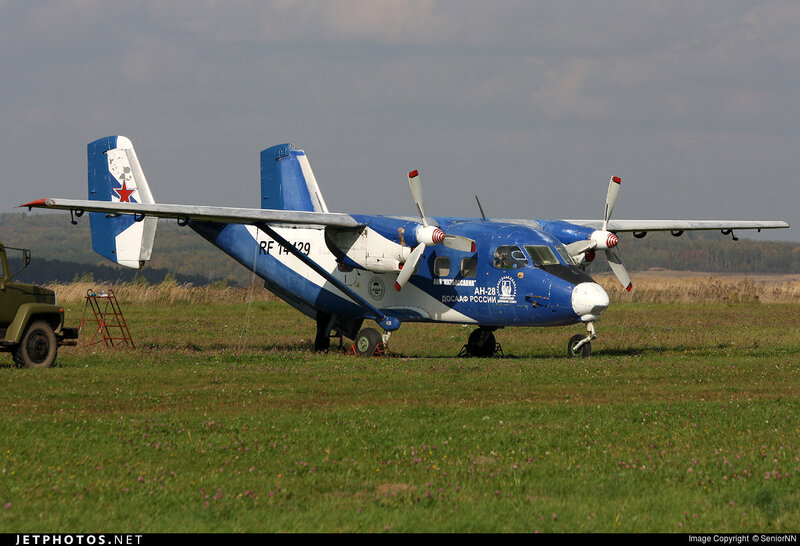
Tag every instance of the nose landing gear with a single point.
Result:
(581, 345)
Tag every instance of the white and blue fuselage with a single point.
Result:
(449, 285)
(341, 269)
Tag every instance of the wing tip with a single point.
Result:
(36, 203)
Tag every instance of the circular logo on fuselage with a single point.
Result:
(506, 290)
(376, 288)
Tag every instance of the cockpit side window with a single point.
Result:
(565, 254)
(541, 255)
(509, 257)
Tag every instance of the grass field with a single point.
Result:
(685, 419)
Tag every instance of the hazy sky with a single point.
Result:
(530, 105)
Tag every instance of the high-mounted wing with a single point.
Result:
(680, 225)
(229, 215)
(583, 237)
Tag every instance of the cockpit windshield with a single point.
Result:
(565, 254)
(545, 259)
(541, 255)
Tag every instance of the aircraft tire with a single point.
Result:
(584, 351)
(366, 341)
(481, 343)
(38, 347)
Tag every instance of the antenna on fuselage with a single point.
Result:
(480, 208)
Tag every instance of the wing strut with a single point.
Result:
(386, 322)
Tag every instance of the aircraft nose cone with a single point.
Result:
(589, 300)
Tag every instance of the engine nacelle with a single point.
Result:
(367, 249)
(382, 264)
(583, 259)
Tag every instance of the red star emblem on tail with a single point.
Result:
(124, 193)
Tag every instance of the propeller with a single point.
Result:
(611, 198)
(416, 193)
(427, 235)
(608, 241)
(409, 266)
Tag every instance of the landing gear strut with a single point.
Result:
(481, 343)
(581, 345)
(322, 341)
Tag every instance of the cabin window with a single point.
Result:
(509, 257)
(441, 266)
(541, 255)
(469, 267)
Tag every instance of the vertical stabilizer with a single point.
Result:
(115, 175)
(287, 181)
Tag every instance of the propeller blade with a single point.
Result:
(409, 267)
(416, 193)
(580, 246)
(611, 199)
(457, 242)
(614, 257)
(431, 234)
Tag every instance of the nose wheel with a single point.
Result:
(581, 346)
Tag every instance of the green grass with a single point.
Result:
(685, 419)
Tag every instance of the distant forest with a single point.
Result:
(63, 252)
(44, 271)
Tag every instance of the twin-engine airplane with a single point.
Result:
(340, 269)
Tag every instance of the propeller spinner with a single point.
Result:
(427, 235)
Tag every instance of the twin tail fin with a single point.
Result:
(115, 175)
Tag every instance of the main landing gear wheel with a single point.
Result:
(481, 343)
(573, 350)
(368, 341)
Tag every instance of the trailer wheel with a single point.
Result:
(38, 347)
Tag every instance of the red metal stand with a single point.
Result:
(380, 350)
(111, 326)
